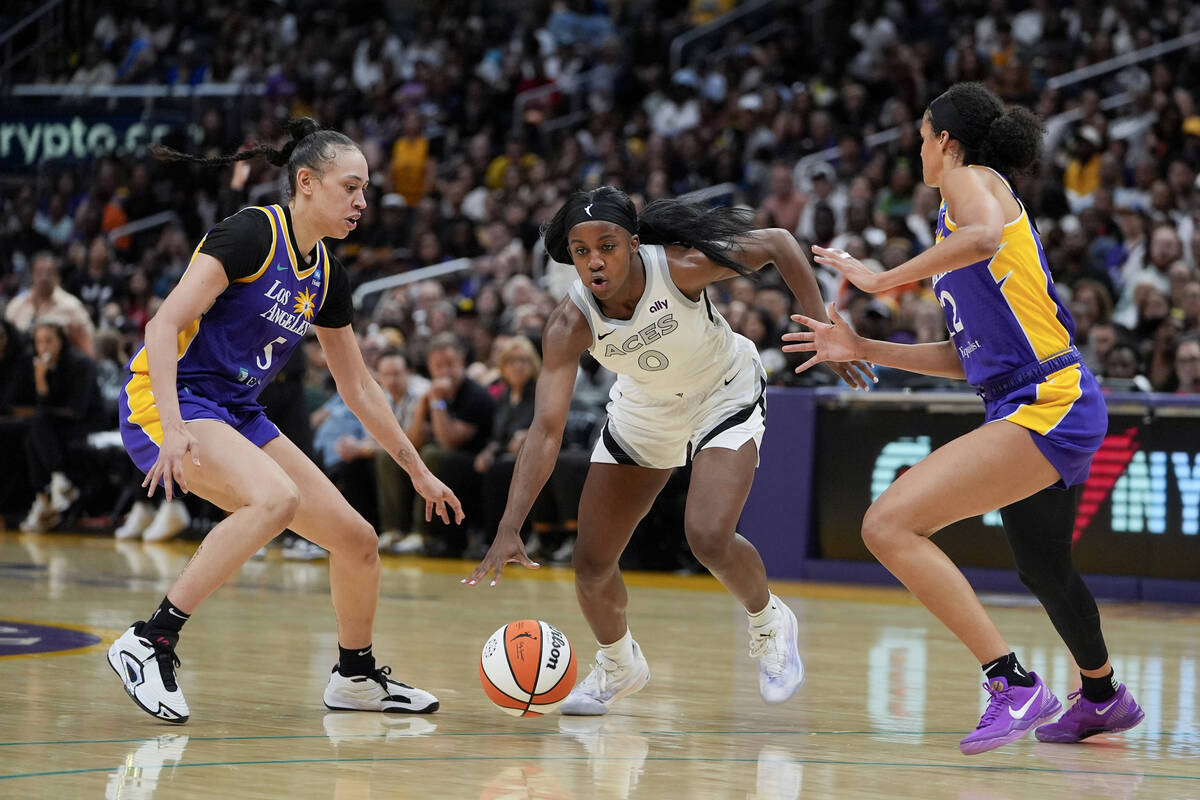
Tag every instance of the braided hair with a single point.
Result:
(665, 221)
(308, 145)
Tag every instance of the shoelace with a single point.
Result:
(164, 654)
(999, 701)
(765, 645)
(602, 671)
(1077, 707)
(380, 676)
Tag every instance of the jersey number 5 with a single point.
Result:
(264, 361)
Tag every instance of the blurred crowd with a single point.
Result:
(478, 121)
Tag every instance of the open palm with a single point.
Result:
(828, 341)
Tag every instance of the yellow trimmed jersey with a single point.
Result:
(1003, 313)
(236, 347)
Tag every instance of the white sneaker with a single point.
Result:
(171, 519)
(136, 521)
(376, 692)
(41, 516)
(62, 492)
(387, 539)
(780, 670)
(411, 544)
(304, 550)
(605, 684)
(147, 670)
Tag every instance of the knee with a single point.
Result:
(589, 568)
(279, 503)
(708, 541)
(879, 535)
(1043, 580)
(360, 542)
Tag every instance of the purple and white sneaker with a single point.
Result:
(1012, 712)
(1118, 713)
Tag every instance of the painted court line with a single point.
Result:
(592, 759)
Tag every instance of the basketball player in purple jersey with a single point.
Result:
(1010, 337)
(190, 415)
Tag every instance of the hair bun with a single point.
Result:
(299, 127)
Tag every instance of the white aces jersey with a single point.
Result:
(672, 347)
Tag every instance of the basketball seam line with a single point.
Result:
(512, 672)
(537, 673)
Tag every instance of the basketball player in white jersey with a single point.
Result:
(688, 389)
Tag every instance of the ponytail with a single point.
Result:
(694, 225)
(1007, 140)
(307, 146)
(1014, 142)
(709, 230)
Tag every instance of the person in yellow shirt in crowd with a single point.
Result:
(413, 168)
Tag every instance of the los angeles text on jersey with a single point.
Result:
(275, 313)
(663, 326)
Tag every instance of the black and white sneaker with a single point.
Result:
(147, 670)
(376, 692)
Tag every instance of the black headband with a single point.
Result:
(603, 209)
(944, 116)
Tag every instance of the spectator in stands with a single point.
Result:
(343, 450)
(65, 411)
(451, 424)
(519, 367)
(783, 207)
(393, 490)
(1187, 364)
(1082, 176)
(412, 166)
(98, 284)
(1123, 369)
(46, 300)
(54, 223)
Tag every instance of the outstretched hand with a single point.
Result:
(830, 342)
(506, 548)
(850, 267)
(438, 497)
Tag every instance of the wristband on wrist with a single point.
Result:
(439, 404)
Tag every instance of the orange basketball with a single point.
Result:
(527, 668)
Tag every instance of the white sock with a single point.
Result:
(620, 651)
(767, 615)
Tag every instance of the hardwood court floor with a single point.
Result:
(887, 698)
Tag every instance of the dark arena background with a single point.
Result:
(477, 119)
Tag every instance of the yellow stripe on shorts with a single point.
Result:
(143, 411)
(1056, 397)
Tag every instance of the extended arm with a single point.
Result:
(755, 250)
(566, 337)
(837, 341)
(980, 219)
(367, 400)
(200, 285)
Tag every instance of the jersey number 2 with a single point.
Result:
(945, 298)
(264, 361)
